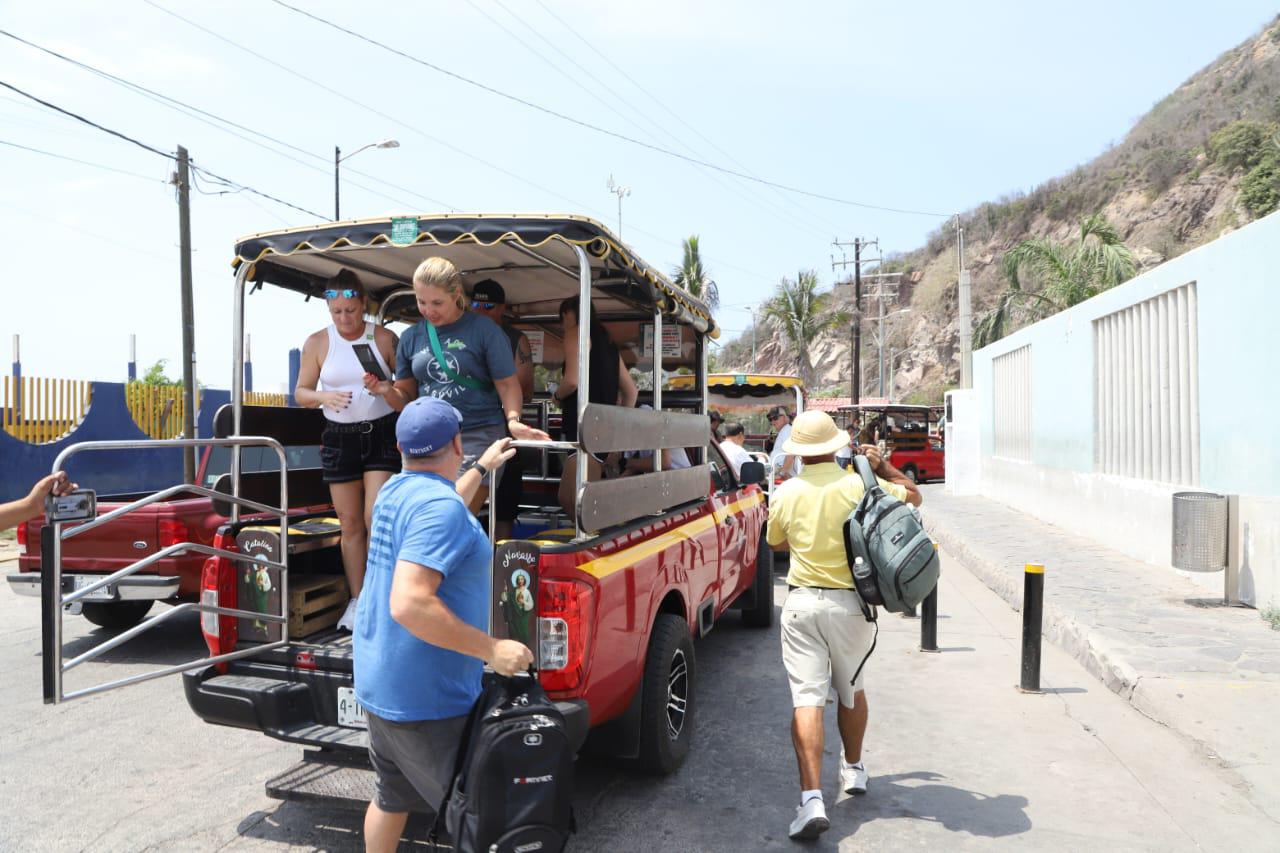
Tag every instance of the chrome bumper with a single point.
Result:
(146, 588)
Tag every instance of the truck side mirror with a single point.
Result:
(752, 473)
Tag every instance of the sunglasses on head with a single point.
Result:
(345, 293)
(487, 306)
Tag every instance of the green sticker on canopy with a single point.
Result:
(739, 379)
(404, 230)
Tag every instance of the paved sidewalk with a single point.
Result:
(1209, 673)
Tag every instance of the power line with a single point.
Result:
(83, 162)
(668, 109)
(196, 113)
(155, 150)
(744, 192)
(594, 127)
(363, 105)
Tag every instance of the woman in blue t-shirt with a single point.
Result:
(461, 358)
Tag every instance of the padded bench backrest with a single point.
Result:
(289, 425)
(292, 427)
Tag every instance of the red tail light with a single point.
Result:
(218, 589)
(170, 531)
(566, 611)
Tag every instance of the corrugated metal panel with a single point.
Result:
(1146, 390)
(1011, 403)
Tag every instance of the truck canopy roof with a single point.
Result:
(531, 255)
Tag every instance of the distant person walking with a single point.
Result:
(825, 637)
(420, 642)
(784, 464)
(358, 445)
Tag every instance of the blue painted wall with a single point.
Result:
(107, 472)
(1238, 292)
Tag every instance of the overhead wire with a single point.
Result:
(660, 103)
(594, 127)
(213, 120)
(362, 104)
(148, 178)
(747, 193)
(151, 148)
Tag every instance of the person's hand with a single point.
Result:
(524, 432)
(57, 484)
(377, 387)
(874, 456)
(496, 454)
(510, 657)
(335, 400)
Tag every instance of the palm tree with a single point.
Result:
(802, 314)
(693, 276)
(1066, 276)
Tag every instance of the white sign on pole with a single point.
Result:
(672, 341)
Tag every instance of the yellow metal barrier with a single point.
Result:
(265, 398)
(39, 411)
(157, 409)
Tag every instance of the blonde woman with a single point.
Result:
(462, 358)
(358, 446)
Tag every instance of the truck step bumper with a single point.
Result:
(327, 779)
(145, 588)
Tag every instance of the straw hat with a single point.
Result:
(813, 433)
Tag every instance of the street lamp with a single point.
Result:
(621, 192)
(338, 158)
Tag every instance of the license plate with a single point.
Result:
(349, 711)
(106, 593)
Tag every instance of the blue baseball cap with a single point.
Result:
(426, 425)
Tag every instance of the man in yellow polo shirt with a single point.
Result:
(825, 637)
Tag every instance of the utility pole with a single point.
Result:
(966, 315)
(855, 342)
(337, 161)
(183, 181)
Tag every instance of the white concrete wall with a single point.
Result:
(1237, 280)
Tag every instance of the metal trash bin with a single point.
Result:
(1199, 531)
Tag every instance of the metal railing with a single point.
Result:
(53, 600)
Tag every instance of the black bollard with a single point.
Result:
(1032, 624)
(929, 618)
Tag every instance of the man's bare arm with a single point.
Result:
(416, 606)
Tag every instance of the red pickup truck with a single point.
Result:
(612, 598)
(139, 534)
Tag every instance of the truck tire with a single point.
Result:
(760, 615)
(118, 615)
(910, 472)
(667, 701)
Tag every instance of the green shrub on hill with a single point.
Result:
(1260, 189)
(1240, 145)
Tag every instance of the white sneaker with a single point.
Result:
(853, 777)
(348, 620)
(811, 820)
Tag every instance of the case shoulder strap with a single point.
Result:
(464, 381)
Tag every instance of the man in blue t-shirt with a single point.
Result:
(420, 642)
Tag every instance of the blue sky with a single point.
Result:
(926, 106)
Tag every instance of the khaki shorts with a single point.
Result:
(824, 639)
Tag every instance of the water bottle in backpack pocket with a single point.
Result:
(901, 564)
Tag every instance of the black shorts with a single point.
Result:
(348, 450)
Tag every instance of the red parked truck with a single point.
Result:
(182, 518)
(619, 593)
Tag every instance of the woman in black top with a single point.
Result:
(610, 383)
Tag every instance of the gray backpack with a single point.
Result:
(899, 565)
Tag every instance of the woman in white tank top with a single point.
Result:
(358, 447)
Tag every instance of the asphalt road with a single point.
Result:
(958, 759)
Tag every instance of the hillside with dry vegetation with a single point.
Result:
(1204, 161)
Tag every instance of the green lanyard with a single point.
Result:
(464, 381)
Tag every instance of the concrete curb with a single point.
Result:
(1083, 642)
